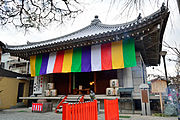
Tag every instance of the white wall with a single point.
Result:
(12, 61)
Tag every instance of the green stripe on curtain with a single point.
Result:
(38, 64)
(76, 60)
(129, 54)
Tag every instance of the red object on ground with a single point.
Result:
(111, 109)
(61, 103)
(80, 111)
(37, 107)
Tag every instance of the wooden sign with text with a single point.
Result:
(144, 94)
(158, 86)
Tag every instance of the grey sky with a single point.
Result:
(107, 16)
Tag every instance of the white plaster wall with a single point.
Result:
(4, 59)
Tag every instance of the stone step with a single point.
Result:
(71, 100)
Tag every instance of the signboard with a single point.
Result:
(38, 84)
(37, 107)
(158, 86)
(144, 94)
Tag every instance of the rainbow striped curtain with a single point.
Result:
(115, 55)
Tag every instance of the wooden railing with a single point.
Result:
(81, 99)
(111, 109)
(61, 103)
(80, 111)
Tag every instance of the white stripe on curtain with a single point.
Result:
(96, 57)
(51, 62)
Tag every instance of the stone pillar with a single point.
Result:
(145, 103)
(127, 78)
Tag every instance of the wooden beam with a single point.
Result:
(94, 82)
(153, 44)
(69, 83)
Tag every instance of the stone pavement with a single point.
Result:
(26, 114)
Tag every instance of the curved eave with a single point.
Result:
(155, 45)
(146, 28)
(66, 38)
(162, 33)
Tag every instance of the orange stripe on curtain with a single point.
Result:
(106, 59)
(58, 62)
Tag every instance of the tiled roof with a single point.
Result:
(94, 29)
(147, 33)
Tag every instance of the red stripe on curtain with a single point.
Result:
(106, 58)
(59, 62)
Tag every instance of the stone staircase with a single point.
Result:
(73, 98)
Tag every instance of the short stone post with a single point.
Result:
(145, 103)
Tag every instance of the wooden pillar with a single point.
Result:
(161, 102)
(69, 83)
(94, 82)
(74, 80)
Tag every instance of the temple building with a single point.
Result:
(89, 58)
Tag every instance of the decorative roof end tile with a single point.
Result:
(139, 17)
(96, 20)
(163, 7)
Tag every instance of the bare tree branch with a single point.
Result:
(174, 49)
(176, 52)
(37, 13)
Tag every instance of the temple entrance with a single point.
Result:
(83, 82)
(20, 92)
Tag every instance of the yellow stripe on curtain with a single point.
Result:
(67, 62)
(32, 65)
(117, 55)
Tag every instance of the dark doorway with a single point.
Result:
(20, 92)
(61, 83)
(103, 80)
(31, 83)
(84, 79)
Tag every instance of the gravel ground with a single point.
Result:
(26, 114)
